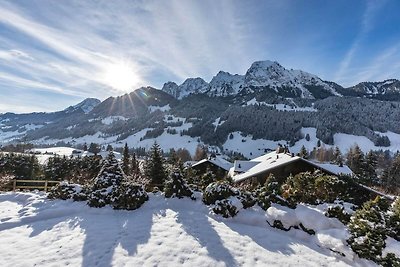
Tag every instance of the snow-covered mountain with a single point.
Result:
(224, 84)
(269, 103)
(86, 105)
(262, 75)
(272, 75)
(391, 86)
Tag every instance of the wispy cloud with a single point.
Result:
(50, 49)
(367, 20)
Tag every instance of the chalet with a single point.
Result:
(215, 163)
(281, 164)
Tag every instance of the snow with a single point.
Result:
(111, 119)
(86, 105)
(273, 159)
(217, 123)
(43, 154)
(336, 169)
(162, 109)
(248, 146)
(281, 107)
(392, 246)
(163, 232)
(346, 141)
(217, 160)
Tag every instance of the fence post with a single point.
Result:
(14, 184)
(45, 186)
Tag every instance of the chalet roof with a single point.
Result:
(244, 165)
(218, 161)
(273, 160)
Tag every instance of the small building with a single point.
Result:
(281, 164)
(216, 164)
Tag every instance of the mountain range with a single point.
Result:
(268, 103)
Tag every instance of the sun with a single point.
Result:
(121, 76)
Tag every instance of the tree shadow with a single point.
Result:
(197, 225)
(272, 240)
(104, 229)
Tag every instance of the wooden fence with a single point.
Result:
(33, 184)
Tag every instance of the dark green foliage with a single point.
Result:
(128, 196)
(21, 166)
(176, 186)
(303, 152)
(218, 191)
(337, 157)
(65, 190)
(368, 229)
(390, 261)
(154, 168)
(393, 220)
(106, 182)
(356, 161)
(339, 213)
(269, 193)
(125, 160)
(247, 199)
(225, 208)
(391, 176)
(315, 188)
(207, 178)
(94, 148)
(225, 199)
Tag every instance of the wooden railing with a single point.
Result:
(33, 184)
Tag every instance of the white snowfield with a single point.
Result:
(35, 231)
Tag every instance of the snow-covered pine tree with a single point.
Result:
(303, 152)
(175, 186)
(337, 157)
(106, 183)
(154, 168)
(125, 160)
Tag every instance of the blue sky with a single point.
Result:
(56, 53)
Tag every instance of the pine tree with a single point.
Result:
(173, 158)
(337, 157)
(125, 160)
(85, 148)
(134, 166)
(391, 176)
(356, 161)
(109, 148)
(106, 183)
(94, 148)
(319, 143)
(303, 152)
(371, 162)
(155, 170)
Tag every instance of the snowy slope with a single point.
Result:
(224, 84)
(40, 232)
(86, 105)
(272, 74)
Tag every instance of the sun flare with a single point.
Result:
(121, 76)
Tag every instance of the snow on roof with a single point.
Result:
(244, 165)
(218, 161)
(267, 162)
(335, 169)
(273, 159)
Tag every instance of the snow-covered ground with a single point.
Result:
(252, 148)
(35, 231)
(345, 141)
